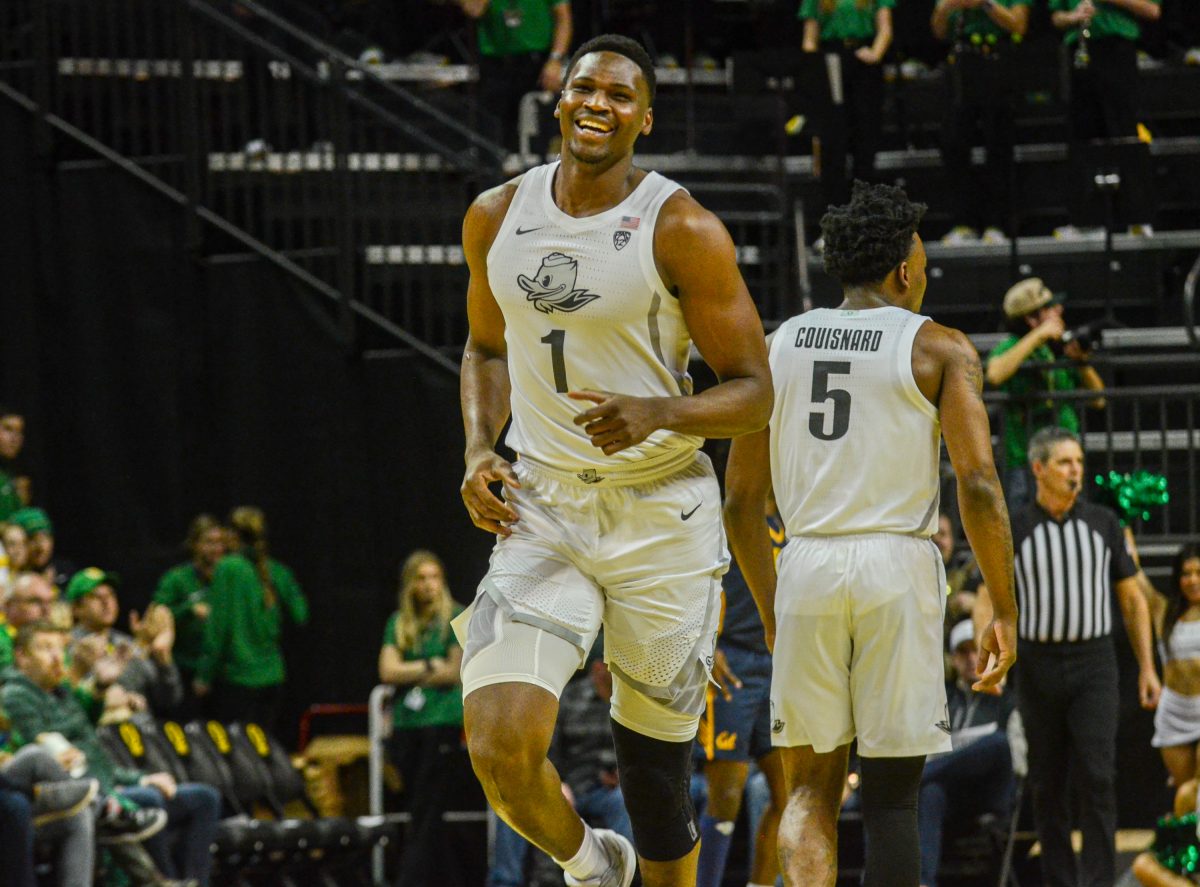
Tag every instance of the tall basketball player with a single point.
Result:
(590, 279)
(863, 392)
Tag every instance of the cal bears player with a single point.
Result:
(590, 279)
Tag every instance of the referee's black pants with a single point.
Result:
(1067, 695)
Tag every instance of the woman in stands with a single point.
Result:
(242, 659)
(854, 36)
(184, 591)
(422, 658)
(1177, 617)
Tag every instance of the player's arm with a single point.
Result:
(484, 386)
(697, 262)
(747, 482)
(948, 372)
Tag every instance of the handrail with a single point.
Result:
(1189, 304)
(377, 731)
(490, 148)
(344, 62)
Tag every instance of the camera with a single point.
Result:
(1089, 334)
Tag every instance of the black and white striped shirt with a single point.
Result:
(1065, 571)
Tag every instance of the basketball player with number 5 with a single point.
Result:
(863, 394)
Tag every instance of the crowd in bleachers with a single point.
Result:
(208, 645)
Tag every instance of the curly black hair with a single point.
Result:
(625, 46)
(869, 236)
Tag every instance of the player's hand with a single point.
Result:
(724, 676)
(617, 421)
(1149, 689)
(487, 510)
(998, 652)
(1052, 327)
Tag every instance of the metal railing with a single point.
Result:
(1143, 428)
(280, 146)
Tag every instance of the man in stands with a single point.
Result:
(37, 700)
(148, 670)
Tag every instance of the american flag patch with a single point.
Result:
(630, 222)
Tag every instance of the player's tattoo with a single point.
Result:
(973, 371)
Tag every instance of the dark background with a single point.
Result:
(155, 388)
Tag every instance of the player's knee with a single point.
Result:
(655, 779)
(503, 762)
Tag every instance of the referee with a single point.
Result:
(1069, 557)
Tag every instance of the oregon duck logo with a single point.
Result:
(553, 287)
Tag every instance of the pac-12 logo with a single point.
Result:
(552, 288)
(621, 238)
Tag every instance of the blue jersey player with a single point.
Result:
(736, 729)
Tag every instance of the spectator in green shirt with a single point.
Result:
(422, 658)
(1035, 320)
(1101, 36)
(979, 76)
(14, 484)
(522, 47)
(184, 591)
(854, 35)
(242, 661)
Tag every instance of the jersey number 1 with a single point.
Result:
(822, 393)
(556, 339)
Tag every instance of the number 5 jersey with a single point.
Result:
(854, 442)
(584, 308)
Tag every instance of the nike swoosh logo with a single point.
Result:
(683, 516)
(521, 230)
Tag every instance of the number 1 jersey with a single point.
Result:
(584, 308)
(854, 442)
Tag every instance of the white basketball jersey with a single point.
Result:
(584, 308)
(854, 442)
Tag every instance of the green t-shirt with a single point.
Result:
(426, 706)
(847, 20)
(978, 22)
(516, 27)
(1109, 21)
(1024, 416)
(179, 590)
(9, 500)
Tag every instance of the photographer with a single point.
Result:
(1036, 331)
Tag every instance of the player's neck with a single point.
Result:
(582, 190)
(861, 298)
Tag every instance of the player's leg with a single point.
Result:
(766, 849)
(808, 827)
(654, 742)
(897, 684)
(522, 786)
(727, 731)
(726, 781)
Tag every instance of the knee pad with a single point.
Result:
(656, 782)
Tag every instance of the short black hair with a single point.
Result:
(872, 234)
(625, 46)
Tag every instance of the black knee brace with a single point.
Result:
(656, 783)
(889, 807)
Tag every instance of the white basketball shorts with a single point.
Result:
(858, 646)
(643, 559)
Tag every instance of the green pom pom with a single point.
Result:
(1133, 496)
